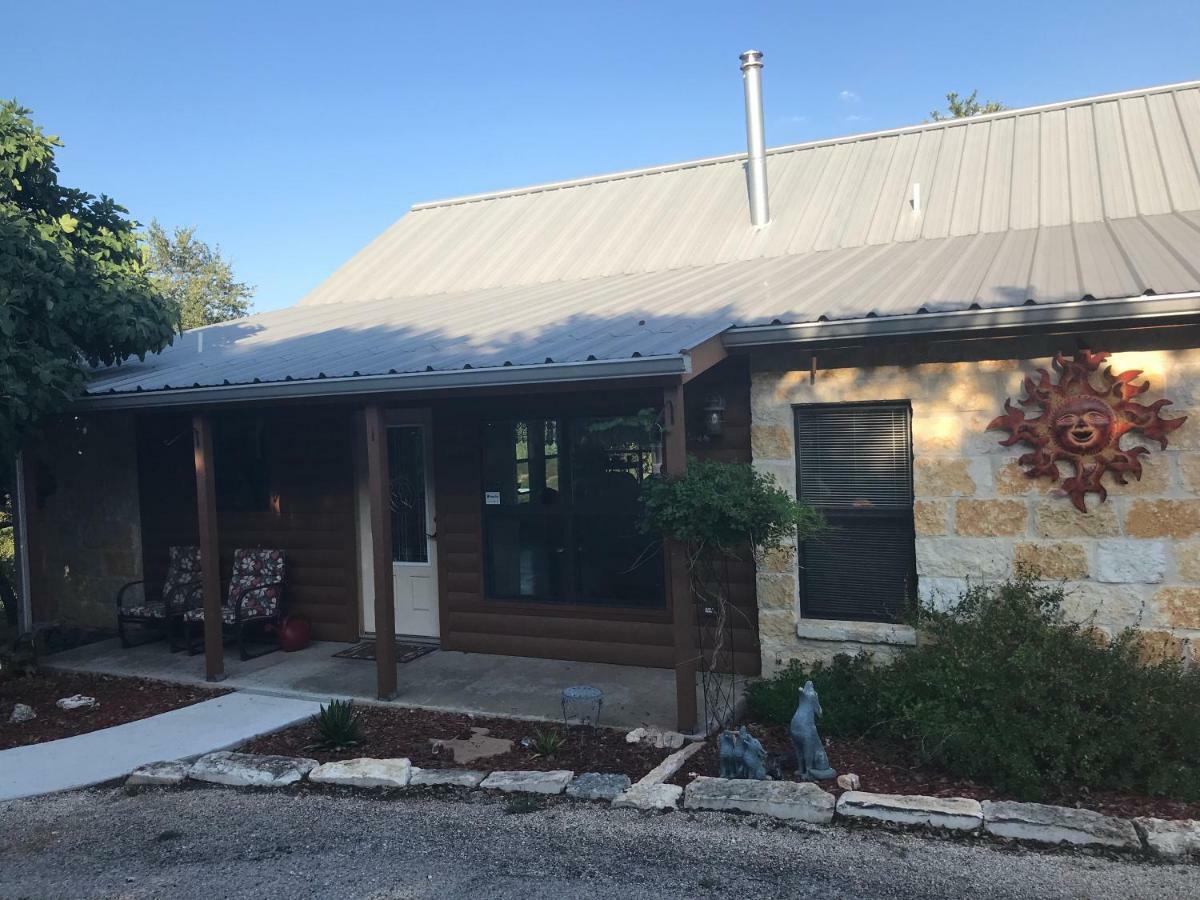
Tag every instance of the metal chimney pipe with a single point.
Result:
(756, 148)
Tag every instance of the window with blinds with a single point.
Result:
(854, 463)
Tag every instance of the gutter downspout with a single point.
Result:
(21, 545)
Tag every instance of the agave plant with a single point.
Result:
(548, 742)
(337, 726)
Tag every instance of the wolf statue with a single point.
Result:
(811, 762)
(742, 755)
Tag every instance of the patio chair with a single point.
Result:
(162, 606)
(255, 598)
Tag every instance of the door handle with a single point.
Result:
(432, 537)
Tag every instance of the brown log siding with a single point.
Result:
(309, 470)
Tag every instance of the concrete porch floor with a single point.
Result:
(478, 683)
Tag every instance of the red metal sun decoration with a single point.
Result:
(1083, 425)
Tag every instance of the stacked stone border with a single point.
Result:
(1033, 823)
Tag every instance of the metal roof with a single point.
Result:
(1094, 198)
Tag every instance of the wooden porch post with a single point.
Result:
(210, 556)
(380, 491)
(679, 583)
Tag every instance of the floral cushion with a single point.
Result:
(197, 615)
(183, 586)
(256, 582)
(145, 611)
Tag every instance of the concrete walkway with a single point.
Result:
(98, 756)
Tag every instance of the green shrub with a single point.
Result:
(1002, 690)
(337, 726)
(849, 690)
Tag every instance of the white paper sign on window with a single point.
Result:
(491, 498)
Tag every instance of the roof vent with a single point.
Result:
(756, 150)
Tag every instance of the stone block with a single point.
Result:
(1112, 606)
(1053, 562)
(1189, 468)
(781, 561)
(1180, 606)
(935, 477)
(1130, 562)
(467, 778)
(1010, 479)
(159, 773)
(963, 558)
(1187, 560)
(941, 594)
(776, 624)
(1057, 825)
(669, 766)
(364, 773)
(1163, 519)
(553, 782)
(1170, 839)
(1160, 646)
(956, 813)
(597, 786)
(662, 797)
(1058, 518)
(800, 801)
(250, 770)
(1155, 480)
(776, 591)
(930, 517)
(772, 442)
(990, 518)
(782, 471)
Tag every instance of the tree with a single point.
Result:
(196, 277)
(74, 290)
(964, 107)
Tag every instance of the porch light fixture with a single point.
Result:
(714, 415)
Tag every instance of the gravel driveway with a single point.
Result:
(207, 842)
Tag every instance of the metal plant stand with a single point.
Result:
(582, 703)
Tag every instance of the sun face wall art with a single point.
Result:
(1082, 424)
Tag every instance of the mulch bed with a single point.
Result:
(883, 770)
(119, 700)
(390, 732)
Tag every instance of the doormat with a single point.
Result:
(404, 652)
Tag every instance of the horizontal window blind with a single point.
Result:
(855, 457)
(854, 463)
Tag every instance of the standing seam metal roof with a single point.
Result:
(1097, 197)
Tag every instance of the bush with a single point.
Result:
(849, 689)
(1002, 690)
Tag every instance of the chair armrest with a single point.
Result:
(124, 588)
(238, 597)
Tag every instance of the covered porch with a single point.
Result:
(476, 683)
(488, 522)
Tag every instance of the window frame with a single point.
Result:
(907, 514)
(564, 511)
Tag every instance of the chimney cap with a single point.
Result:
(751, 58)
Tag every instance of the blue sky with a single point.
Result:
(293, 133)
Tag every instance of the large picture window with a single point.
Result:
(854, 463)
(561, 505)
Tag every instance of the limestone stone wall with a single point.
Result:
(86, 525)
(1133, 560)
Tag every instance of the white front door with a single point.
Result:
(414, 549)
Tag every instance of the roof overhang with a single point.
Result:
(675, 365)
(1081, 315)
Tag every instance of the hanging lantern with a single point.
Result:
(714, 415)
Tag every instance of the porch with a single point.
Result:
(478, 683)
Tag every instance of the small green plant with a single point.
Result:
(547, 742)
(520, 804)
(850, 695)
(338, 726)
